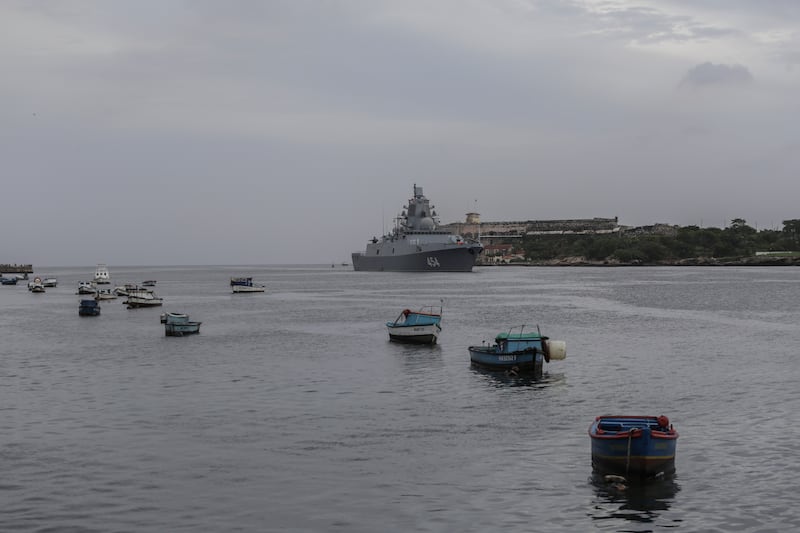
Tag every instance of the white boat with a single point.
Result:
(142, 298)
(36, 285)
(50, 282)
(122, 290)
(101, 274)
(86, 287)
(178, 324)
(417, 327)
(105, 294)
(245, 285)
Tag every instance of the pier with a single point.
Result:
(16, 269)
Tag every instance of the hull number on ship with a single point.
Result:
(433, 262)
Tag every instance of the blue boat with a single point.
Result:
(518, 351)
(178, 324)
(417, 327)
(9, 281)
(638, 447)
(89, 308)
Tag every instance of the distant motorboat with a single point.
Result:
(101, 275)
(86, 287)
(149, 283)
(9, 281)
(142, 298)
(105, 294)
(178, 324)
(50, 282)
(88, 308)
(245, 285)
(122, 290)
(36, 285)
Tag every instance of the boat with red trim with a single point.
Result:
(633, 446)
(417, 327)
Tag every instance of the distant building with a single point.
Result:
(490, 231)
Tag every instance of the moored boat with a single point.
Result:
(36, 285)
(139, 297)
(417, 327)
(9, 281)
(86, 287)
(178, 324)
(105, 294)
(245, 285)
(149, 283)
(88, 308)
(122, 290)
(416, 245)
(638, 447)
(101, 274)
(518, 351)
(50, 282)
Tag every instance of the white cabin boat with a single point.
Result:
(105, 294)
(101, 274)
(142, 298)
(36, 285)
(245, 285)
(86, 287)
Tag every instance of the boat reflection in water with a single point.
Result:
(641, 502)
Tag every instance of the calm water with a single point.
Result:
(291, 411)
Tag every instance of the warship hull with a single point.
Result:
(460, 259)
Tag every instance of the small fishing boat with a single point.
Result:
(36, 285)
(149, 283)
(638, 447)
(417, 327)
(245, 285)
(105, 294)
(178, 324)
(50, 282)
(518, 351)
(86, 287)
(9, 281)
(101, 274)
(142, 298)
(122, 290)
(89, 308)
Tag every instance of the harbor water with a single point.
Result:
(291, 410)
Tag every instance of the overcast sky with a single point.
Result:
(261, 132)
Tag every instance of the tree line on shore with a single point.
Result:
(737, 241)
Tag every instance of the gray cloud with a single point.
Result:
(290, 131)
(717, 74)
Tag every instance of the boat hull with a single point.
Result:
(455, 259)
(427, 334)
(179, 330)
(633, 447)
(524, 361)
(142, 299)
(244, 288)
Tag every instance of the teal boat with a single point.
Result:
(518, 351)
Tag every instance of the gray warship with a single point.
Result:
(415, 245)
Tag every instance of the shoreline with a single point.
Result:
(698, 261)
